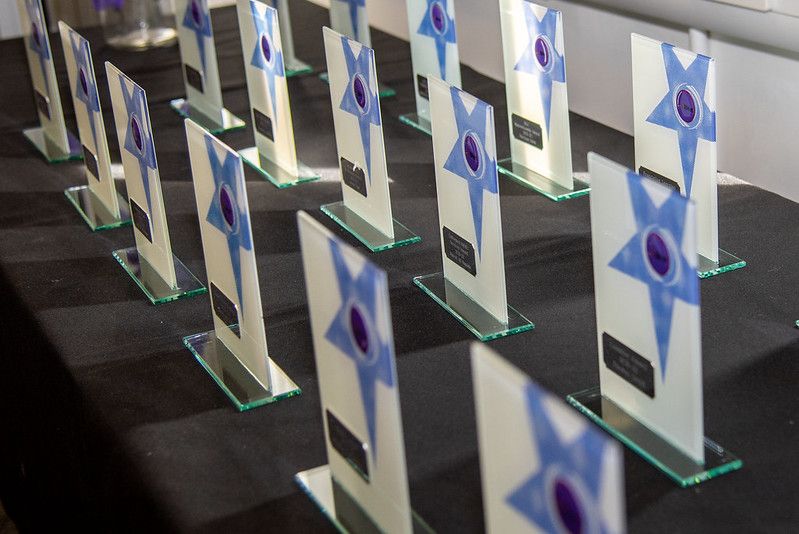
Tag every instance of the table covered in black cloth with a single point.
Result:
(108, 423)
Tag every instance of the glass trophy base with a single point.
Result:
(234, 378)
(94, 212)
(295, 67)
(51, 152)
(383, 91)
(155, 287)
(649, 445)
(339, 507)
(470, 314)
(420, 123)
(228, 123)
(273, 172)
(371, 237)
(541, 184)
(727, 262)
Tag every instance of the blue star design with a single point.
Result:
(90, 98)
(485, 179)
(580, 460)
(136, 106)
(680, 282)
(375, 363)
(665, 114)
(354, 5)
(274, 68)
(201, 31)
(361, 65)
(555, 70)
(428, 29)
(40, 48)
(227, 174)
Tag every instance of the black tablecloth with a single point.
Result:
(108, 423)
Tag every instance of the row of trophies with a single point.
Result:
(654, 234)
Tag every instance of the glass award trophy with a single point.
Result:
(98, 202)
(51, 137)
(234, 353)
(538, 103)
(674, 99)
(350, 18)
(294, 67)
(434, 52)
(203, 102)
(275, 154)
(650, 350)
(151, 263)
(364, 486)
(472, 286)
(365, 211)
(544, 468)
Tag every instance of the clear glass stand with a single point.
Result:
(94, 212)
(295, 67)
(155, 287)
(383, 91)
(273, 172)
(420, 123)
(229, 121)
(51, 152)
(339, 507)
(469, 313)
(371, 237)
(541, 184)
(234, 378)
(649, 445)
(727, 262)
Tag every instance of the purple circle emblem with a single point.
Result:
(686, 106)
(657, 252)
(360, 92)
(567, 506)
(135, 130)
(36, 34)
(196, 13)
(266, 48)
(438, 17)
(471, 151)
(542, 52)
(84, 81)
(226, 204)
(360, 334)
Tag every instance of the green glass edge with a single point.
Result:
(298, 68)
(556, 198)
(73, 156)
(280, 185)
(185, 294)
(365, 242)
(239, 124)
(482, 337)
(733, 465)
(118, 224)
(740, 264)
(406, 119)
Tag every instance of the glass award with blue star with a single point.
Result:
(364, 486)
(434, 52)
(203, 101)
(51, 137)
(674, 108)
(97, 202)
(274, 155)
(234, 353)
(294, 66)
(543, 467)
(150, 263)
(538, 102)
(472, 285)
(648, 325)
(350, 18)
(365, 211)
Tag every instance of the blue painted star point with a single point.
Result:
(273, 66)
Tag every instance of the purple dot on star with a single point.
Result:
(686, 106)
(439, 17)
(359, 90)
(135, 129)
(471, 151)
(567, 506)
(196, 14)
(227, 206)
(359, 331)
(542, 52)
(266, 48)
(84, 82)
(657, 253)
